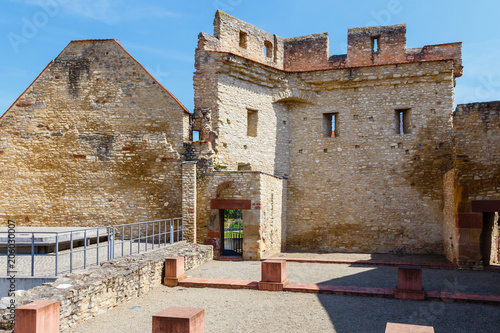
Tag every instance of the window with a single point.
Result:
(402, 121)
(330, 125)
(196, 135)
(243, 39)
(252, 121)
(268, 49)
(375, 44)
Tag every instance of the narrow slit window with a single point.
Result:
(243, 39)
(196, 135)
(375, 44)
(330, 125)
(402, 121)
(252, 121)
(268, 49)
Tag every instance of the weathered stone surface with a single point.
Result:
(86, 293)
(93, 141)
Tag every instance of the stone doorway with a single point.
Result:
(489, 239)
(232, 232)
(231, 226)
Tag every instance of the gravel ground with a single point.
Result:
(457, 281)
(259, 311)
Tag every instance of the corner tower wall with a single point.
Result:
(370, 188)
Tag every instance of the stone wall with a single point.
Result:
(262, 222)
(95, 140)
(475, 178)
(87, 293)
(476, 132)
(369, 188)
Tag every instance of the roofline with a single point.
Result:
(161, 85)
(33, 82)
(94, 40)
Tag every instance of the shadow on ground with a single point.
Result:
(371, 314)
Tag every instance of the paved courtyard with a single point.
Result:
(260, 311)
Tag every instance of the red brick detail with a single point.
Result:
(190, 211)
(128, 148)
(174, 267)
(409, 283)
(404, 328)
(169, 159)
(79, 156)
(486, 206)
(23, 104)
(273, 271)
(40, 316)
(273, 286)
(470, 220)
(219, 283)
(1, 152)
(230, 204)
(215, 242)
(437, 265)
(174, 271)
(178, 319)
(213, 234)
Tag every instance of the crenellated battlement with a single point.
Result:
(367, 46)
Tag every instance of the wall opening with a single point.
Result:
(330, 125)
(232, 240)
(375, 44)
(402, 121)
(243, 39)
(490, 239)
(252, 121)
(195, 135)
(268, 49)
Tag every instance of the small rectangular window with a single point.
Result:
(252, 121)
(196, 135)
(375, 44)
(402, 121)
(330, 125)
(268, 49)
(243, 39)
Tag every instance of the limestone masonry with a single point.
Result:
(360, 152)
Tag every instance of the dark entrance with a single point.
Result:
(232, 240)
(489, 243)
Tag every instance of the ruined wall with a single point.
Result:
(368, 188)
(94, 140)
(261, 223)
(476, 132)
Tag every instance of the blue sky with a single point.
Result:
(162, 34)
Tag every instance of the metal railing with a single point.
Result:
(50, 253)
(233, 239)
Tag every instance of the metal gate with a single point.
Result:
(233, 241)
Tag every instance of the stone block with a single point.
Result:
(405, 328)
(179, 319)
(174, 271)
(409, 283)
(273, 275)
(40, 316)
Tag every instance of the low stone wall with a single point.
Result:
(86, 293)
